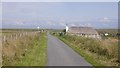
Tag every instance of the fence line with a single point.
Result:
(16, 36)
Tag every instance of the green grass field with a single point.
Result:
(36, 55)
(30, 50)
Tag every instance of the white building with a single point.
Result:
(82, 31)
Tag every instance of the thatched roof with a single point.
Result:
(83, 30)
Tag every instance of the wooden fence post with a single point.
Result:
(4, 38)
(20, 35)
(16, 36)
(11, 36)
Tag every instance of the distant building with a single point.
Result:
(83, 31)
(106, 34)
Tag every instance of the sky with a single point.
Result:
(57, 14)
(59, 0)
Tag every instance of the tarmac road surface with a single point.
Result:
(60, 54)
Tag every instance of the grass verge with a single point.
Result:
(28, 51)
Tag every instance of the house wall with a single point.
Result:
(87, 35)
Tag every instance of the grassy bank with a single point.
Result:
(28, 51)
(96, 52)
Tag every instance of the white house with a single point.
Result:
(82, 31)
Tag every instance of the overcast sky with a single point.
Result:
(57, 14)
(59, 0)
